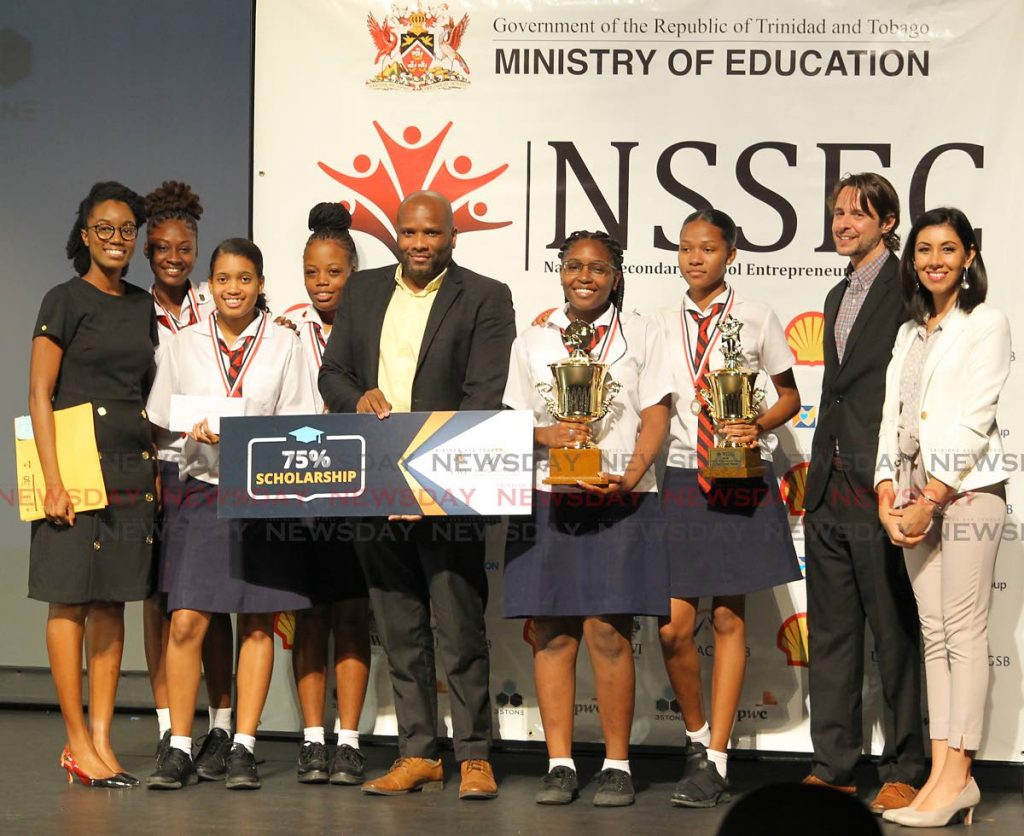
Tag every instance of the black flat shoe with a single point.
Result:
(176, 771)
(703, 788)
(312, 768)
(614, 788)
(348, 766)
(560, 787)
(241, 767)
(211, 761)
(128, 779)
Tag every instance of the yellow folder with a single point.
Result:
(77, 456)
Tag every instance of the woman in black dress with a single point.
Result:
(93, 343)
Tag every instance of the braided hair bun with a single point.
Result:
(329, 217)
(174, 200)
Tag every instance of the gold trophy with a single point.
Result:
(731, 396)
(582, 394)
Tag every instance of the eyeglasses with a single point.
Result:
(105, 231)
(597, 269)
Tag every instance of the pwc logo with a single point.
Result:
(792, 640)
(806, 337)
(418, 50)
(382, 188)
(793, 487)
(284, 628)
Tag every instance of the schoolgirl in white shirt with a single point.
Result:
(171, 247)
(590, 558)
(337, 587)
(219, 565)
(727, 537)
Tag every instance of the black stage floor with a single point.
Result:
(36, 798)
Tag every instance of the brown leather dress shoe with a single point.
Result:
(815, 781)
(477, 780)
(893, 795)
(408, 775)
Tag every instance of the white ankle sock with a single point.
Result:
(610, 764)
(246, 740)
(720, 760)
(220, 718)
(348, 737)
(163, 719)
(569, 762)
(702, 735)
(313, 734)
(182, 742)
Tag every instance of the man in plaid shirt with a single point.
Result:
(854, 574)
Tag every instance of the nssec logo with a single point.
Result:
(807, 417)
(383, 187)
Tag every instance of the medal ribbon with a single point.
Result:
(169, 321)
(235, 363)
(705, 429)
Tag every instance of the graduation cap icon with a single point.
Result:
(307, 435)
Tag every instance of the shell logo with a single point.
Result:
(792, 640)
(284, 626)
(806, 337)
(530, 634)
(793, 487)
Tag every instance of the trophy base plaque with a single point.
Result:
(569, 465)
(733, 463)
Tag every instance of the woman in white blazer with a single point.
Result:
(940, 482)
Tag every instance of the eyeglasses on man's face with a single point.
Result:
(105, 231)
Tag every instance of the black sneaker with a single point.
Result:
(175, 771)
(693, 755)
(162, 747)
(312, 767)
(704, 788)
(211, 762)
(241, 766)
(560, 787)
(348, 766)
(614, 789)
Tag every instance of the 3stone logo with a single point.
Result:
(509, 696)
(667, 703)
(15, 58)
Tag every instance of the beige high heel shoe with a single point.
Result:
(960, 809)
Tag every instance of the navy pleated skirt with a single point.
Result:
(732, 541)
(219, 565)
(580, 554)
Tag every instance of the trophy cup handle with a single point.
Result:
(757, 400)
(611, 389)
(545, 390)
(705, 396)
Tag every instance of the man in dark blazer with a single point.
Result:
(853, 572)
(425, 335)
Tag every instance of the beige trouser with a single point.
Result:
(952, 579)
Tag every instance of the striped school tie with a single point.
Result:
(705, 429)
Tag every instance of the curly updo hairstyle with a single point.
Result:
(173, 200)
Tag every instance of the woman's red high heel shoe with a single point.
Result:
(70, 765)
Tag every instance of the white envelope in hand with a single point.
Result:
(189, 410)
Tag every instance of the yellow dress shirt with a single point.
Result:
(400, 339)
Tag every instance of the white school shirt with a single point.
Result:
(199, 299)
(764, 347)
(633, 348)
(275, 382)
(314, 341)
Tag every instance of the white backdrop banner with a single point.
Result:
(536, 118)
